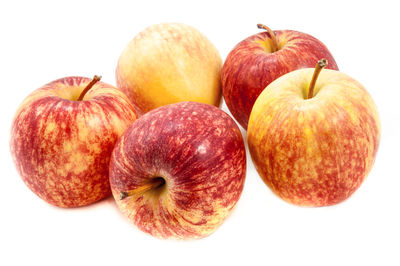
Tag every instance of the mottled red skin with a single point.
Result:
(41, 157)
(167, 142)
(332, 186)
(249, 68)
(318, 151)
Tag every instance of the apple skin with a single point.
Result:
(62, 147)
(168, 63)
(250, 67)
(199, 151)
(317, 151)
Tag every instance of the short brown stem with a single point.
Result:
(320, 65)
(157, 182)
(272, 35)
(88, 87)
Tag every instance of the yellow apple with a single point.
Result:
(314, 147)
(169, 63)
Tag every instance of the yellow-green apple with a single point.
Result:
(168, 63)
(313, 139)
(179, 170)
(62, 137)
(260, 59)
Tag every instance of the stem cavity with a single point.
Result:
(320, 65)
(272, 35)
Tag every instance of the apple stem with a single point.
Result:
(157, 182)
(320, 65)
(272, 35)
(88, 87)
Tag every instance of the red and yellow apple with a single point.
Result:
(260, 59)
(62, 137)
(179, 170)
(169, 63)
(313, 139)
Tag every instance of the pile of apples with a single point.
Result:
(172, 159)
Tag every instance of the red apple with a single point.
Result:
(179, 170)
(260, 59)
(61, 144)
(313, 141)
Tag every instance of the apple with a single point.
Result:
(179, 170)
(168, 63)
(62, 137)
(260, 59)
(313, 136)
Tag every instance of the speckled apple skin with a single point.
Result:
(169, 63)
(62, 147)
(199, 151)
(318, 151)
(250, 67)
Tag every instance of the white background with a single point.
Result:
(45, 40)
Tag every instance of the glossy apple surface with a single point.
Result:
(197, 152)
(62, 147)
(169, 63)
(251, 66)
(317, 151)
